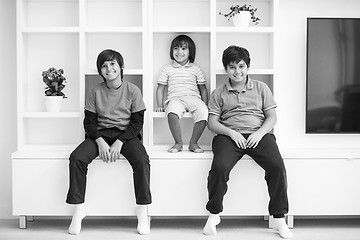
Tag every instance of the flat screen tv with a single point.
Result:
(333, 76)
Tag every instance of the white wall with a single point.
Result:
(292, 72)
(291, 78)
(7, 102)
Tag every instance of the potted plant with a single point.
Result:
(241, 15)
(55, 83)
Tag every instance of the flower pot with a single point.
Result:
(53, 103)
(242, 19)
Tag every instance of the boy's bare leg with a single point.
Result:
(210, 226)
(175, 129)
(143, 226)
(283, 229)
(196, 134)
(79, 212)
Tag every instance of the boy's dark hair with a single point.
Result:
(109, 55)
(235, 54)
(179, 41)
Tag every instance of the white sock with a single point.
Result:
(283, 229)
(143, 226)
(78, 215)
(210, 226)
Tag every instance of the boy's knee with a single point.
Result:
(201, 114)
(219, 169)
(75, 161)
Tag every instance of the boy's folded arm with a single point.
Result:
(90, 125)
(134, 128)
(217, 127)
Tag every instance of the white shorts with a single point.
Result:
(192, 104)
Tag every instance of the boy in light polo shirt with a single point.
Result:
(242, 114)
(114, 116)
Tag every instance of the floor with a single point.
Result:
(179, 229)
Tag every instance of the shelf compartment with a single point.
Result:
(40, 52)
(40, 13)
(110, 13)
(129, 45)
(259, 45)
(161, 55)
(187, 13)
(52, 131)
(264, 12)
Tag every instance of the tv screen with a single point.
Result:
(333, 75)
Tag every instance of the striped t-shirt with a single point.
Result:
(181, 80)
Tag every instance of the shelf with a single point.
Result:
(113, 29)
(52, 115)
(181, 29)
(238, 30)
(43, 151)
(50, 29)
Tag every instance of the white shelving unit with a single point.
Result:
(70, 37)
(141, 31)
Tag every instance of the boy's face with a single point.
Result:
(237, 72)
(110, 70)
(181, 54)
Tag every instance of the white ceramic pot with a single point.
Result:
(53, 103)
(242, 19)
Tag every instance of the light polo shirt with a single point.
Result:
(114, 106)
(181, 80)
(242, 111)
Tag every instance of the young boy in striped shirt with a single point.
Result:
(186, 92)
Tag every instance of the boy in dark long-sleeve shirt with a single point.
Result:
(114, 115)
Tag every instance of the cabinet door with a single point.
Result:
(40, 188)
(323, 187)
(179, 187)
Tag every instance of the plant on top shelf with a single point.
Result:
(55, 82)
(236, 9)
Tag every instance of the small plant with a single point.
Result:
(237, 9)
(55, 82)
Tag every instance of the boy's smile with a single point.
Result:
(237, 72)
(181, 54)
(110, 70)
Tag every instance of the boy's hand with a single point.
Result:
(104, 149)
(239, 139)
(160, 109)
(115, 150)
(253, 140)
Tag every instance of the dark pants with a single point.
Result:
(133, 150)
(266, 154)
